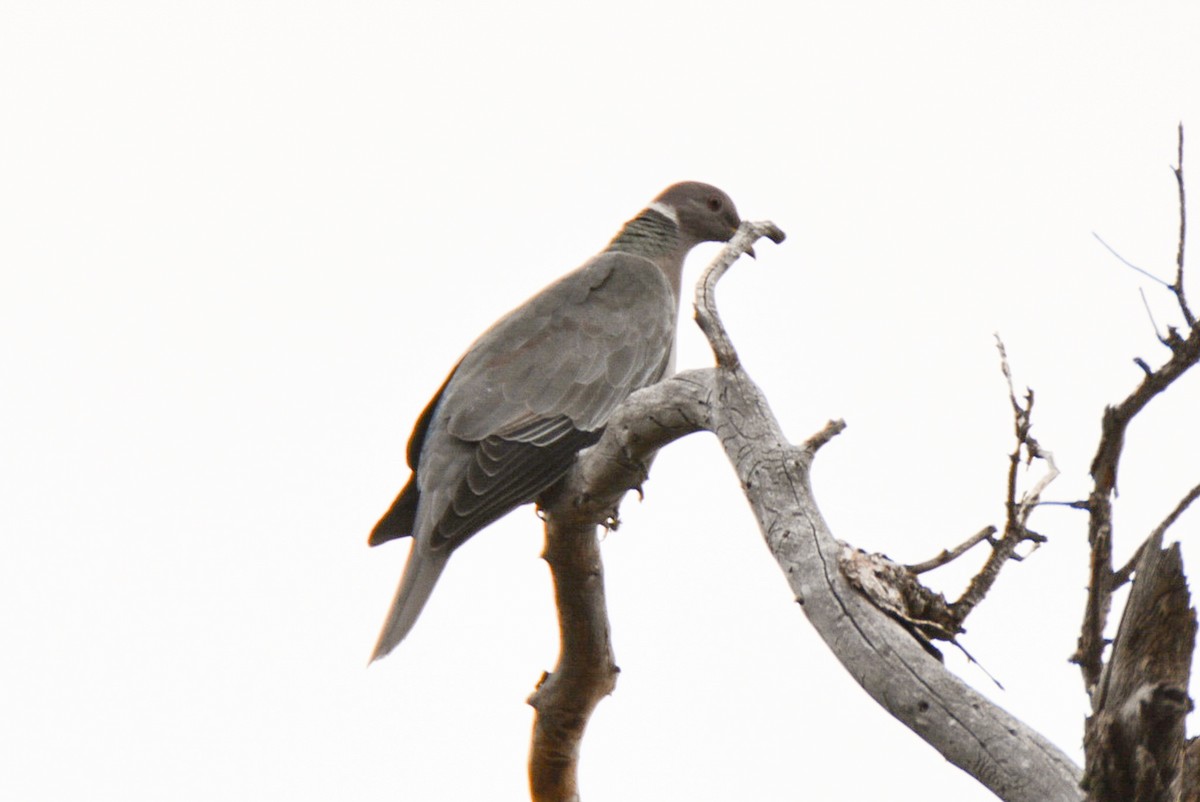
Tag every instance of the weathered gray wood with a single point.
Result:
(970, 731)
(973, 733)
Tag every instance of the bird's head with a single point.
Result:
(702, 212)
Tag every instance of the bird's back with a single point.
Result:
(538, 387)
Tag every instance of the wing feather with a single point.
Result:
(539, 386)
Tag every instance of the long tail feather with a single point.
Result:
(420, 575)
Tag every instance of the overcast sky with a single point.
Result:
(241, 244)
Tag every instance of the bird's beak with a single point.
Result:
(750, 253)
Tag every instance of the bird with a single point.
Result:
(538, 387)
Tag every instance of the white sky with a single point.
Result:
(242, 243)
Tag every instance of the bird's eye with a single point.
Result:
(714, 204)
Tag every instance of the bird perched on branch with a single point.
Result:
(539, 385)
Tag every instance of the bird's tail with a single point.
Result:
(420, 575)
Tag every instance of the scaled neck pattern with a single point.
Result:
(651, 234)
(654, 236)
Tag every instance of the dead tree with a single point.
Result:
(876, 616)
(1135, 744)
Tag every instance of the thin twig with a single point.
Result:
(1074, 505)
(1023, 419)
(832, 429)
(1122, 574)
(1032, 497)
(1016, 527)
(705, 304)
(1130, 264)
(1150, 314)
(1180, 508)
(948, 556)
(1179, 253)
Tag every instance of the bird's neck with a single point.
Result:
(654, 236)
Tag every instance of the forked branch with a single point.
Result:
(587, 498)
(887, 659)
(1103, 580)
(1134, 741)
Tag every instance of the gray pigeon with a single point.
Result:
(538, 387)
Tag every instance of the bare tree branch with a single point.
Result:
(1125, 572)
(1177, 287)
(892, 666)
(705, 309)
(1134, 740)
(928, 612)
(586, 498)
(1185, 353)
(1009, 758)
(1122, 574)
(885, 655)
(948, 556)
(1016, 526)
(1180, 508)
(1104, 473)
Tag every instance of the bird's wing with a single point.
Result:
(574, 350)
(537, 387)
